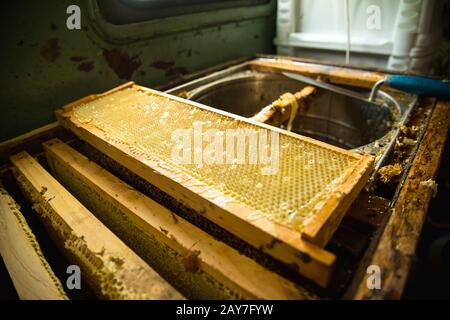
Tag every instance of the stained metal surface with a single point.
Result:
(333, 118)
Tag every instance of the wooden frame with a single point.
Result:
(397, 245)
(109, 266)
(338, 75)
(299, 249)
(30, 272)
(234, 270)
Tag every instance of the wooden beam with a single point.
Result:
(338, 75)
(30, 272)
(31, 141)
(396, 248)
(129, 213)
(108, 265)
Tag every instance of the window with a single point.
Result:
(120, 12)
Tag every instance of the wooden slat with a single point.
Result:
(134, 212)
(338, 75)
(396, 248)
(110, 267)
(30, 272)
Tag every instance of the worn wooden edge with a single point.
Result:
(32, 276)
(325, 222)
(110, 267)
(172, 84)
(236, 271)
(396, 247)
(31, 142)
(338, 75)
(7, 144)
(92, 97)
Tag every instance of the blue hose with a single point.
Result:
(420, 86)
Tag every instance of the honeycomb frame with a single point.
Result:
(280, 240)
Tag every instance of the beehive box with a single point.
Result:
(289, 213)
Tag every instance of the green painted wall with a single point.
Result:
(45, 65)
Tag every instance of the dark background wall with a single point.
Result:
(44, 65)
